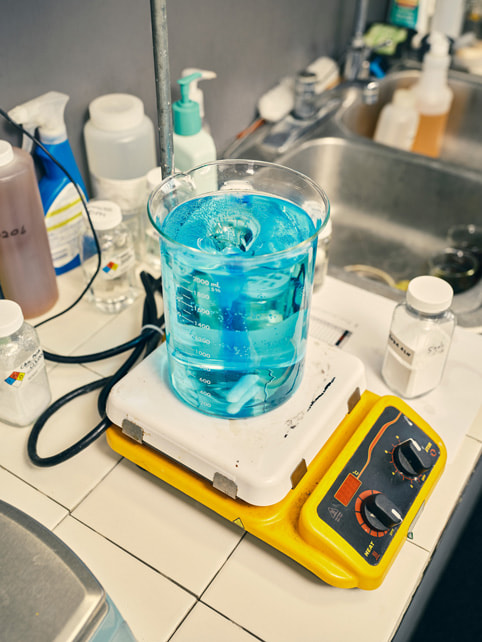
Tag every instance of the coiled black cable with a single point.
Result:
(146, 342)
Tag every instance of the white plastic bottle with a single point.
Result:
(419, 338)
(120, 146)
(398, 121)
(115, 286)
(193, 145)
(24, 387)
(433, 97)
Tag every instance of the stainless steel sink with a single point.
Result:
(463, 137)
(390, 210)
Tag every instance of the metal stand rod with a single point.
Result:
(361, 18)
(163, 84)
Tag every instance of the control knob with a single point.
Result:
(380, 513)
(410, 458)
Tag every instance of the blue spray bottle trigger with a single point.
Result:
(186, 113)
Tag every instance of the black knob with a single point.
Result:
(380, 513)
(410, 458)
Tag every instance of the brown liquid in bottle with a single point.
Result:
(429, 136)
(27, 275)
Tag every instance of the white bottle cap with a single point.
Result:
(11, 317)
(404, 98)
(104, 215)
(154, 178)
(429, 294)
(6, 153)
(116, 112)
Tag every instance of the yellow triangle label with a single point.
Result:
(239, 523)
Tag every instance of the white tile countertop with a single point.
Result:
(176, 570)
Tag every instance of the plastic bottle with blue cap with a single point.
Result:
(61, 202)
(193, 145)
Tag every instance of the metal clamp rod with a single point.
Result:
(360, 18)
(163, 84)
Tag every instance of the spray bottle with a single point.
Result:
(61, 202)
(433, 97)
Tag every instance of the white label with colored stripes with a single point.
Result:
(116, 265)
(25, 372)
(64, 221)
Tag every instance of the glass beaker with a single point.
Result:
(238, 245)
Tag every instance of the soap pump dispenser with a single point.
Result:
(196, 93)
(433, 97)
(192, 144)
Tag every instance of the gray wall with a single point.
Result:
(86, 48)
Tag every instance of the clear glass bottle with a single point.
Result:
(24, 386)
(115, 287)
(419, 338)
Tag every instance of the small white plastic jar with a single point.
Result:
(115, 287)
(419, 338)
(24, 386)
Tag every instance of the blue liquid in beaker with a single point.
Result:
(237, 281)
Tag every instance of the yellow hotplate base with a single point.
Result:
(326, 554)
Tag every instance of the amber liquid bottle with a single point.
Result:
(430, 134)
(433, 97)
(27, 275)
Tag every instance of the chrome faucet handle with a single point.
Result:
(305, 95)
(357, 64)
(370, 92)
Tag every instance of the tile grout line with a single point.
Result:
(199, 598)
(91, 490)
(223, 615)
(221, 567)
(135, 557)
(30, 485)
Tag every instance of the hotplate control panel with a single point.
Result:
(373, 489)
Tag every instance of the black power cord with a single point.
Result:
(34, 138)
(146, 342)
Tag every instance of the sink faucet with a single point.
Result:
(311, 110)
(356, 56)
